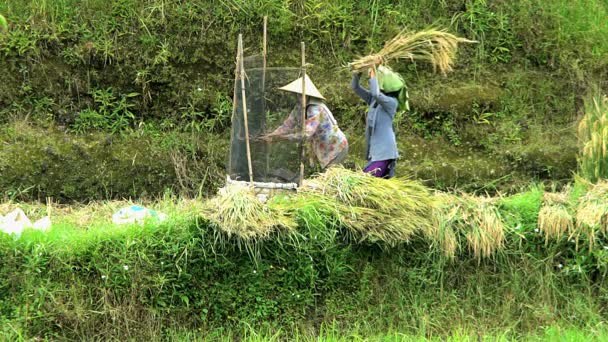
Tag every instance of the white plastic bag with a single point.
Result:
(137, 214)
(43, 225)
(16, 221)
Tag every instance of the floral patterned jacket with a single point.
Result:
(322, 130)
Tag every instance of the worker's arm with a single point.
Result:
(388, 103)
(313, 121)
(286, 127)
(362, 92)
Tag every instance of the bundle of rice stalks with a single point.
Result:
(554, 220)
(360, 189)
(321, 212)
(593, 135)
(444, 217)
(375, 209)
(592, 214)
(432, 45)
(237, 211)
(474, 218)
(374, 225)
(487, 232)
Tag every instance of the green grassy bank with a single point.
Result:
(89, 279)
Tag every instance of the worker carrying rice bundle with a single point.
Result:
(387, 94)
(329, 144)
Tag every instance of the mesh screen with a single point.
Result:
(267, 108)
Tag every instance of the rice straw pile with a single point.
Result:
(592, 214)
(554, 220)
(432, 45)
(374, 209)
(476, 219)
(237, 211)
(444, 218)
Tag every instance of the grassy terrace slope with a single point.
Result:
(99, 85)
(483, 267)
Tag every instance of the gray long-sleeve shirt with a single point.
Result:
(379, 133)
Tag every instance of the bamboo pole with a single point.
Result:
(234, 99)
(303, 134)
(244, 99)
(264, 48)
(264, 56)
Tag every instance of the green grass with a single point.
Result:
(552, 333)
(3, 24)
(582, 25)
(87, 278)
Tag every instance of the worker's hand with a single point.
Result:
(372, 72)
(270, 136)
(266, 138)
(293, 137)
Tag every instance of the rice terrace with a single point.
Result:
(303, 170)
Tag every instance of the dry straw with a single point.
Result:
(374, 209)
(593, 135)
(445, 217)
(431, 45)
(554, 220)
(487, 231)
(475, 218)
(592, 214)
(238, 212)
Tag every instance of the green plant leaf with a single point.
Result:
(3, 24)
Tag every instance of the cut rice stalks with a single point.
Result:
(431, 45)
(592, 214)
(593, 136)
(374, 209)
(238, 212)
(554, 220)
(442, 232)
(475, 219)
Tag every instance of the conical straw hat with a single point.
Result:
(296, 87)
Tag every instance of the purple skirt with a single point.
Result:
(380, 168)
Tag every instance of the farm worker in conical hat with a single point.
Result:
(386, 95)
(329, 144)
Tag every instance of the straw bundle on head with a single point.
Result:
(237, 211)
(432, 45)
(554, 220)
(375, 209)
